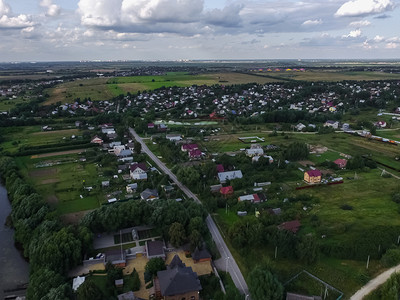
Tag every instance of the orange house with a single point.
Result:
(312, 176)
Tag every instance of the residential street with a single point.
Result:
(226, 255)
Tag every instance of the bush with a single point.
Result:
(391, 257)
(346, 207)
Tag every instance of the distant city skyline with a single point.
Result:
(60, 30)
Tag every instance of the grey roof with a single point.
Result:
(177, 281)
(128, 296)
(176, 262)
(200, 254)
(147, 193)
(155, 248)
(126, 152)
(223, 176)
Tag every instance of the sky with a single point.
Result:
(73, 30)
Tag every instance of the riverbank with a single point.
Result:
(14, 270)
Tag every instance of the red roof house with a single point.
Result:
(220, 168)
(189, 147)
(341, 163)
(312, 176)
(292, 226)
(226, 191)
(193, 154)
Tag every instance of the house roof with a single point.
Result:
(220, 168)
(189, 147)
(201, 254)
(292, 226)
(155, 248)
(195, 153)
(142, 166)
(178, 280)
(226, 190)
(176, 262)
(229, 175)
(341, 162)
(314, 173)
(147, 193)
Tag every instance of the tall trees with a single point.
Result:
(89, 290)
(263, 285)
(177, 234)
(296, 151)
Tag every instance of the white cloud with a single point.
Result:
(378, 39)
(18, 22)
(312, 22)
(4, 8)
(53, 10)
(392, 45)
(354, 8)
(99, 12)
(353, 34)
(358, 24)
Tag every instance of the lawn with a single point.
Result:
(7, 104)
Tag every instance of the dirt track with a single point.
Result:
(58, 153)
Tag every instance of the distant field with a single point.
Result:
(96, 89)
(7, 104)
(332, 75)
(16, 137)
(105, 88)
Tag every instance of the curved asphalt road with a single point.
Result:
(226, 255)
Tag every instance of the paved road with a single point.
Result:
(226, 255)
(374, 283)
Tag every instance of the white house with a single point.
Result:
(138, 171)
(224, 176)
(173, 137)
(254, 152)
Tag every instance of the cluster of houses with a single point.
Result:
(197, 101)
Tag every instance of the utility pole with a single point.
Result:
(367, 261)
(276, 251)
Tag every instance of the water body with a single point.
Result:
(14, 270)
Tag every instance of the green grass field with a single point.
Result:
(28, 136)
(7, 104)
(62, 184)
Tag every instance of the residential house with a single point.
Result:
(253, 198)
(230, 175)
(150, 126)
(201, 255)
(300, 127)
(332, 124)
(220, 168)
(254, 152)
(189, 147)
(77, 282)
(195, 154)
(177, 282)
(380, 124)
(173, 137)
(341, 163)
(257, 158)
(226, 191)
(138, 171)
(97, 140)
(149, 195)
(215, 188)
(130, 188)
(155, 249)
(292, 226)
(312, 176)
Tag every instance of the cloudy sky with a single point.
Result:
(47, 30)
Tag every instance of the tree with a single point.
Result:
(296, 151)
(62, 292)
(391, 257)
(195, 239)
(176, 234)
(135, 285)
(263, 285)
(138, 147)
(154, 265)
(89, 290)
(307, 249)
(41, 282)
(189, 176)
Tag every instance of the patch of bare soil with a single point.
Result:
(318, 149)
(304, 163)
(74, 218)
(51, 180)
(52, 199)
(43, 172)
(59, 153)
